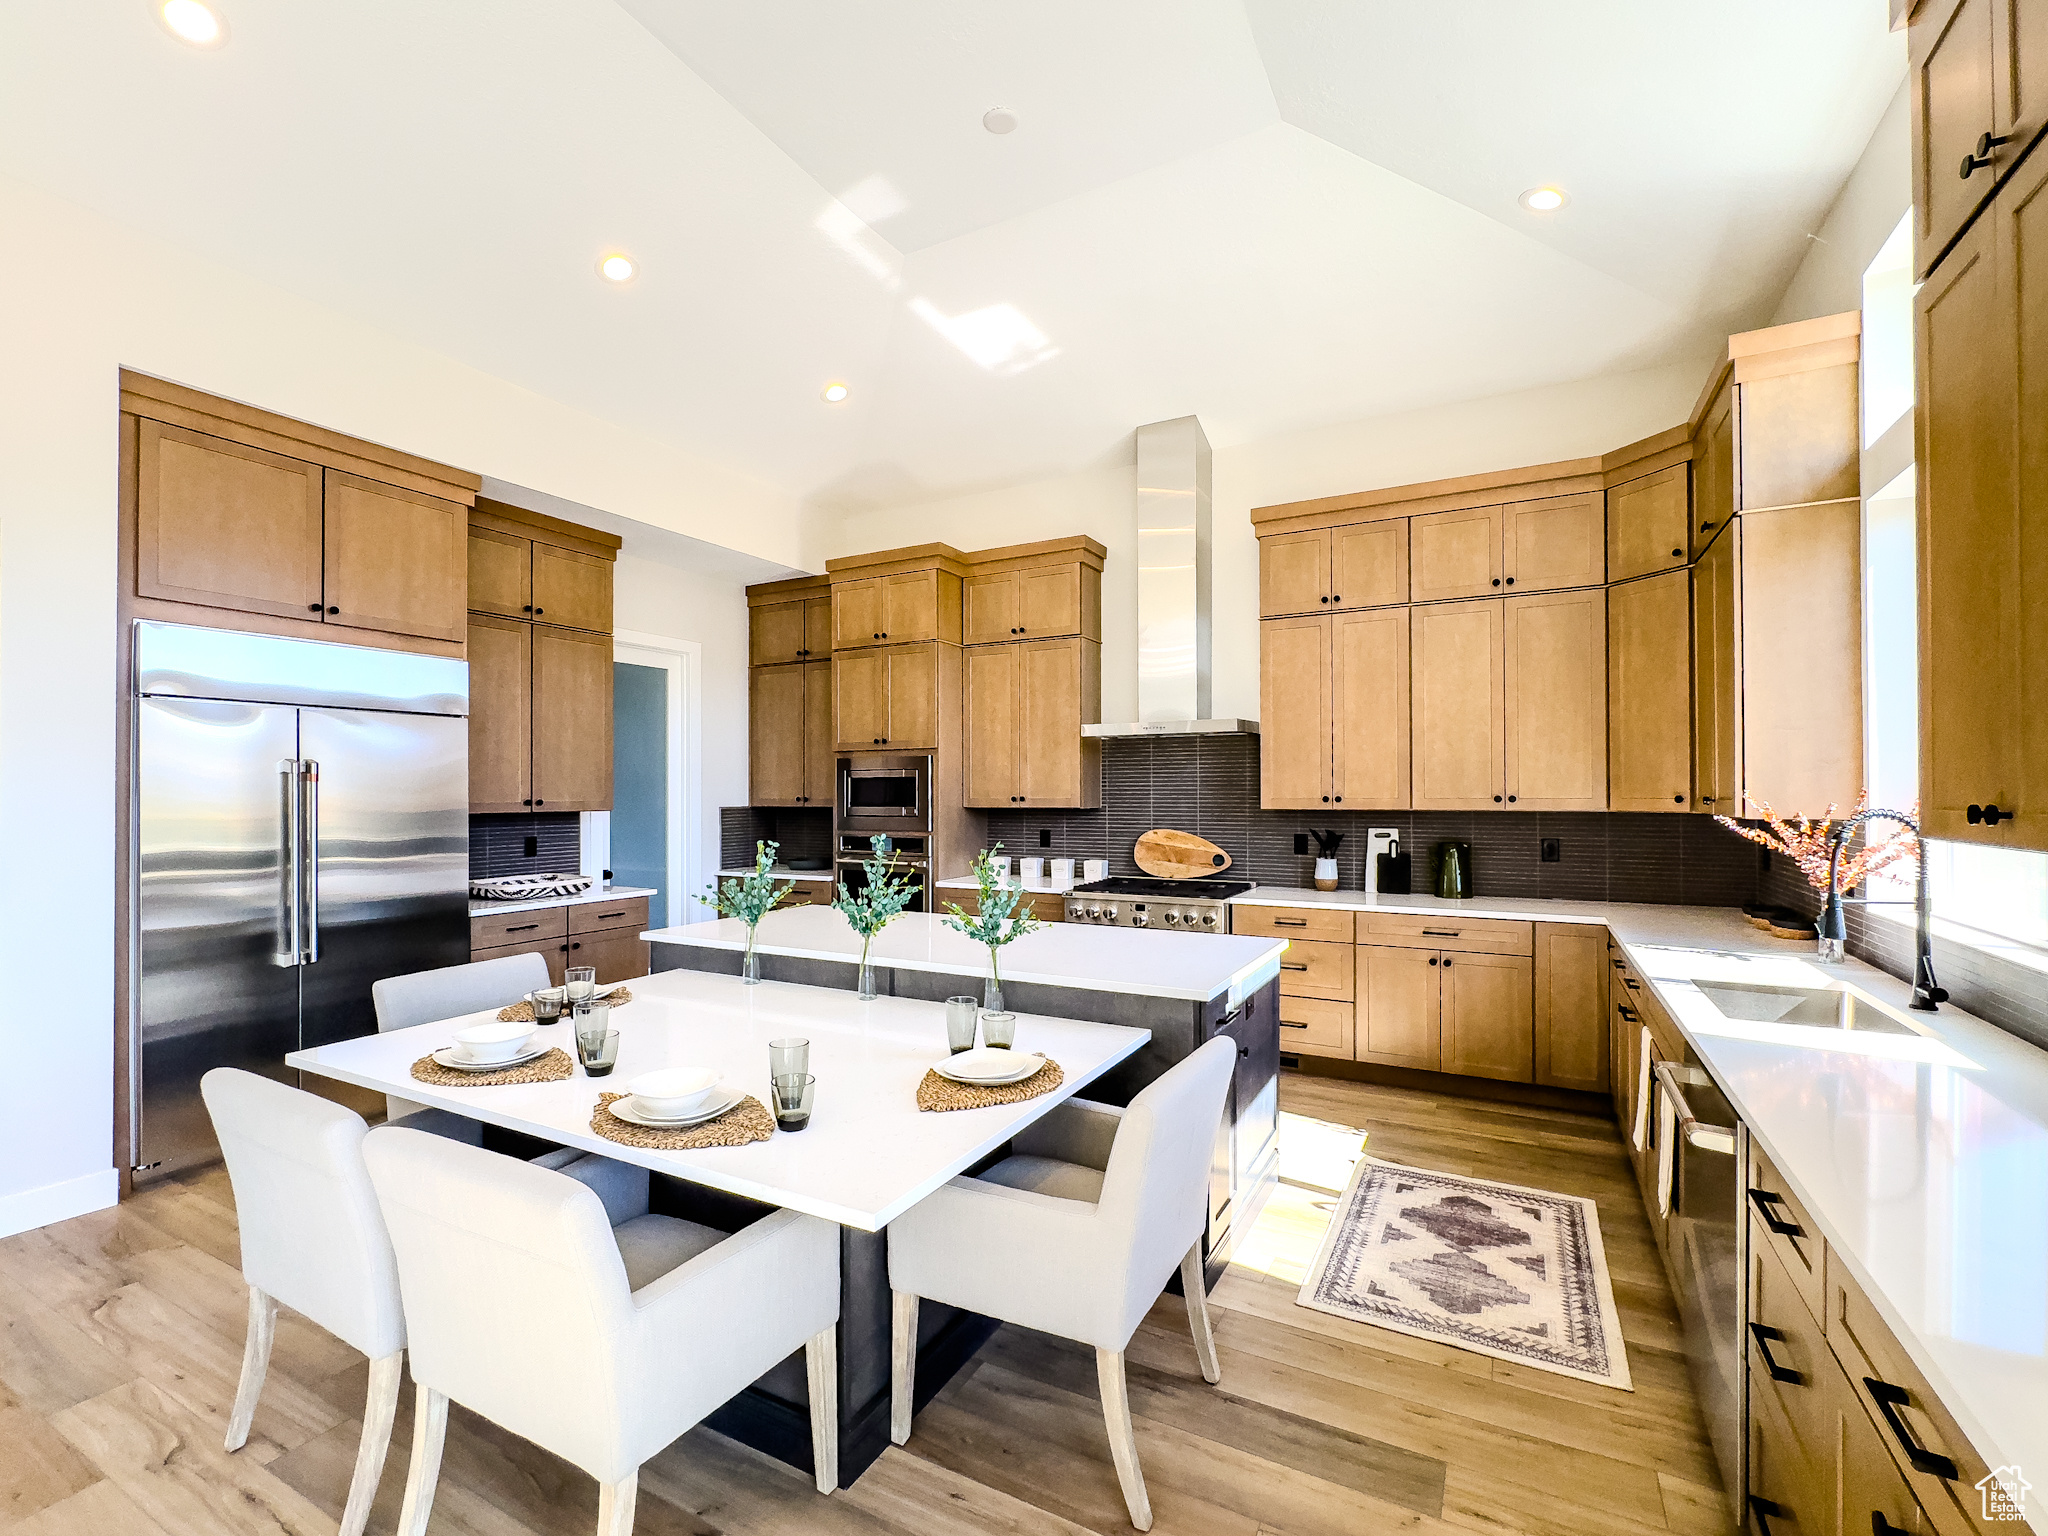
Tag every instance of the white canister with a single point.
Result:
(1000, 863)
(1095, 869)
(1033, 871)
(1326, 874)
(1063, 872)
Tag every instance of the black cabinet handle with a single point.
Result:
(1244, 1050)
(604, 915)
(523, 928)
(1283, 965)
(1440, 933)
(1765, 1512)
(1879, 1526)
(1627, 1013)
(1290, 922)
(1765, 1336)
(540, 802)
(526, 802)
(1285, 1025)
(1983, 159)
(1767, 1203)
(1890, 1400)
(1987, 815)
(1632, 984)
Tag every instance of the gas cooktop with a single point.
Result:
(1143, 887)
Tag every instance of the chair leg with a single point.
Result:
(902, 1362)
(821, 1372)
(379, 1410)
(1198, 1314)
(1123, 1440)
(429, 1430)
(255, 1362)
(615, 1502)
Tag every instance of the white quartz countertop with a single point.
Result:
(581, 898)
(780, 872)
(869, 1153)
(1032, 887)
(1923, 1158)
(1194, 966)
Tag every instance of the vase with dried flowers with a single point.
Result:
(1805, 841)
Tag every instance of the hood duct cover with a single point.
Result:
(1174, 554)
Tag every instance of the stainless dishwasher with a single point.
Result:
(1701, 1150)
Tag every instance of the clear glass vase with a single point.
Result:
(750, 964)
(867, 993)
(1830, 951)
(992, 994)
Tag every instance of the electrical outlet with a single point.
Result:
(1301, 842)
(1044, 838)
(1552, 850)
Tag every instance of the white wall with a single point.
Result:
(1507, 431)
(81, 297)
(1878, 191)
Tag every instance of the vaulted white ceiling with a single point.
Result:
(1276, 213)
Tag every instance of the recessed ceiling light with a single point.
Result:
(835, 393)
(999, 120)
(617, 269)
(191, 22)
(1543, 199)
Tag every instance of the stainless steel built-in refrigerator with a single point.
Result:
(301, 830)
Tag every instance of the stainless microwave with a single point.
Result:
(885, 794)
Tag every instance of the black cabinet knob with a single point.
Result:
(526, 802)
(1511, 799)
(1336, 597)
(1432, 959)
(527, 609)
(1678, 799)
(1496, 799)
(575, 946)
(1987, 815)
(1447, 962)
(1879, 1526)
(1496, 581)
(1705, 526)
(1511, 581)
(538, 612)
(1340, 799)
(1322, 599)
(315, 607)
(334, 610)
(540, 802)
(1983, 159)
(1326, 799)
(1678, 553)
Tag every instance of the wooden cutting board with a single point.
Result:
(1179, 855)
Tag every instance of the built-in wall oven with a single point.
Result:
(882, 793)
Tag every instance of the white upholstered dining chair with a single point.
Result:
(313, 1238)
(425, 996)
(1075, 1234)
(601, 1343)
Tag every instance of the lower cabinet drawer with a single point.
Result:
(1875, 1493)
(1788, 1356)
(1781, 1223)
(1788, 1495)
(1488, 935)
(596, 916)
(554, 951)
(1310, 968)
(490, 930)
(1312, 1026)
(1333, 927)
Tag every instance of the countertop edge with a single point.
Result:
(480, 906)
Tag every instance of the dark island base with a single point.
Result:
(773, 1415)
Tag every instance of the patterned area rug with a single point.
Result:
(1500, 1270)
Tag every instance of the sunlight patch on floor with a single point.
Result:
(1316, 1159)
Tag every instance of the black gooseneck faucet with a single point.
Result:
(1927, 995)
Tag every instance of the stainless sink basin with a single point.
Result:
(1813, 1007)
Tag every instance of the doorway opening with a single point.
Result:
(650, 836)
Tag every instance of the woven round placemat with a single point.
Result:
(746, 1121)
(938, 1093)
(522, 1013)
(550, 1068)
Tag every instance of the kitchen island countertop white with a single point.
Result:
(1192, 966)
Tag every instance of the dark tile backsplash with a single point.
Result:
(1209, 785)
(803, 832)
(498, 844)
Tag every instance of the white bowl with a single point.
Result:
(492, 1042)
(673, 1090)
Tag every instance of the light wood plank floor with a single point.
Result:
(121, 1336)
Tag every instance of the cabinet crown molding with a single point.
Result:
(789, 589)
(543, 529)
(894, 562)
(1080, 550)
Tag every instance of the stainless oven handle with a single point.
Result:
(1697, 1133)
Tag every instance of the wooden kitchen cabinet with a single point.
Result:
(1024, 707)
(791, 755)
(531, 566)
(554, 951)
(1977, 68)
(500, 573)
(1315, 1027)
(572, 590)
(890, 697)
(1311, 968)
(1717, 691)
(1294, 713)
(1459, 703)
(1649, 693)
(1647, 522)
(500, 714)
(1570, 1007)
(1554, 543)
(1487, 1030)
(1361, 565)
(1369, 709)
(1454, 554)
(1036, 602)
(908, 607)
(396, 560)
(227, 525)
(1555, 724)
(789, 621)
(572, 720)
(1714, 468)
(619, 954)
(1400, 1007)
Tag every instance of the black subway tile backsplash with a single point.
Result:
(498, 844)
(803, 832)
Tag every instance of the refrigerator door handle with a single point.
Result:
(290, 939)
(309, 816)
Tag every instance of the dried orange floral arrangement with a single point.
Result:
(1804, 840)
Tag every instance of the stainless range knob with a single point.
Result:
(1208, 919)
(1095, 911)
(1138, 920)
(1173, 917)
(1109, 913)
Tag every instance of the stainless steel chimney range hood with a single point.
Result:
(1174, 556)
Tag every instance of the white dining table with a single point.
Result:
(868, 1154)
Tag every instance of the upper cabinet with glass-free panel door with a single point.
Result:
(572, 589)
(1358, 565)
(1454, 555)
(397, 560)
(226, 525)
(500, 573)
(1555, 722)
(1554, 543)
(1039, 591)
(1979, 90)
(1646, 524)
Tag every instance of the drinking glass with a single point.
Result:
(999, 1030)
(581, 980)
(598, 1051)
(788, 1056)
(793, 1100)
(961, 1013)
(548, 1003)
(592, 1020)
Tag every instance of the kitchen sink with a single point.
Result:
(1814, 1007)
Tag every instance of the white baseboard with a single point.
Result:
(58, 1202)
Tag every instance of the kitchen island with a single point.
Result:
(1185, 988)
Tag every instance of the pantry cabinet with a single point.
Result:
(1555, 679)
(1649, 693)
(1459, 705)
(792, 758)
(1024, 706)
